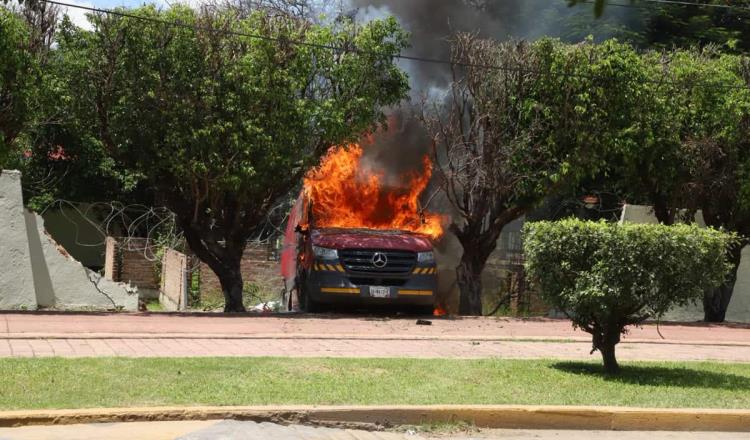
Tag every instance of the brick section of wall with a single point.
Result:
(173, 282)
(131, 260)
(259, 266)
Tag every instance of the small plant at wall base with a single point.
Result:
(606, 277)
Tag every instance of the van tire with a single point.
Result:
(306, 303)
(309, 305)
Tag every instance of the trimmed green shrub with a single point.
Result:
(606, 276)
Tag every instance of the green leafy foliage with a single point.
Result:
(556, 114)
(17, 79)
(666, 129)
(685, 26)
(606, 276)
(682, 142)
(221, 124)
(598, 5)
(591, 96)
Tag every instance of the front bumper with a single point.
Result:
(331, 284)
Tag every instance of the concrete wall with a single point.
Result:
(16, 280)
(173, 294)
(64, 283)
(110, 259)
(77, 233)
(57, 279)
(739, 306)
(645, 214)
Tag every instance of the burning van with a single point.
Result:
(352, 240)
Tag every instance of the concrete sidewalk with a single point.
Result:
(230, 429)
(166, 335)
(209, 324)
(373, 348)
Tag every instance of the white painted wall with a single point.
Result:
(16, 281)
(739, 306)
(64, 283)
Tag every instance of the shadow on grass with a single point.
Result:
(660, 376)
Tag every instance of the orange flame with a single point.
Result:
(347, 195)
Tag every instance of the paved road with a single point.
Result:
(228, 429)
(157, 335)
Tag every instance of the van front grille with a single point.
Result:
(364, 260)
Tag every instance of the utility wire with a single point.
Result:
(641, 4)
(121, 13)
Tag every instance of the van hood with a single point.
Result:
(340, 238)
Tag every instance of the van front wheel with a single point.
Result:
(306, 303)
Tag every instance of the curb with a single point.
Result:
(360, 337)
(483, 416)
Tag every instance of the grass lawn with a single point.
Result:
(120, 382)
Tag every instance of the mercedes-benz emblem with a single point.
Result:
(379, 259)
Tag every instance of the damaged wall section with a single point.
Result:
(38, 273)
(16, 280)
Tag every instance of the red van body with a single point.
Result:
(354, 266)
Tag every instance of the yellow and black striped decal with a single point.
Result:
(425, 270)
(328, 267)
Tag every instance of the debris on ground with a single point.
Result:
(267, 307)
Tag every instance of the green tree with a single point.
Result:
(221, 126)
(63, 153)
(687, 148)
(17, 73)
(547, 116)
(676, 128)
(681, 25)
(26, 35)
(598, 5)
(606, 277)
(715, 148)
(670, 26)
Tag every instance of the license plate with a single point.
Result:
(380, 292)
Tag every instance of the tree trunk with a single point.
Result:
(477, 249)
(610, 361)
(231, 287)
(223, 259)
(605, 341)
(469, 280)
(662, 212)
(716, 301)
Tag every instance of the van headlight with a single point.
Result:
(325, 253)
(426, 257)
